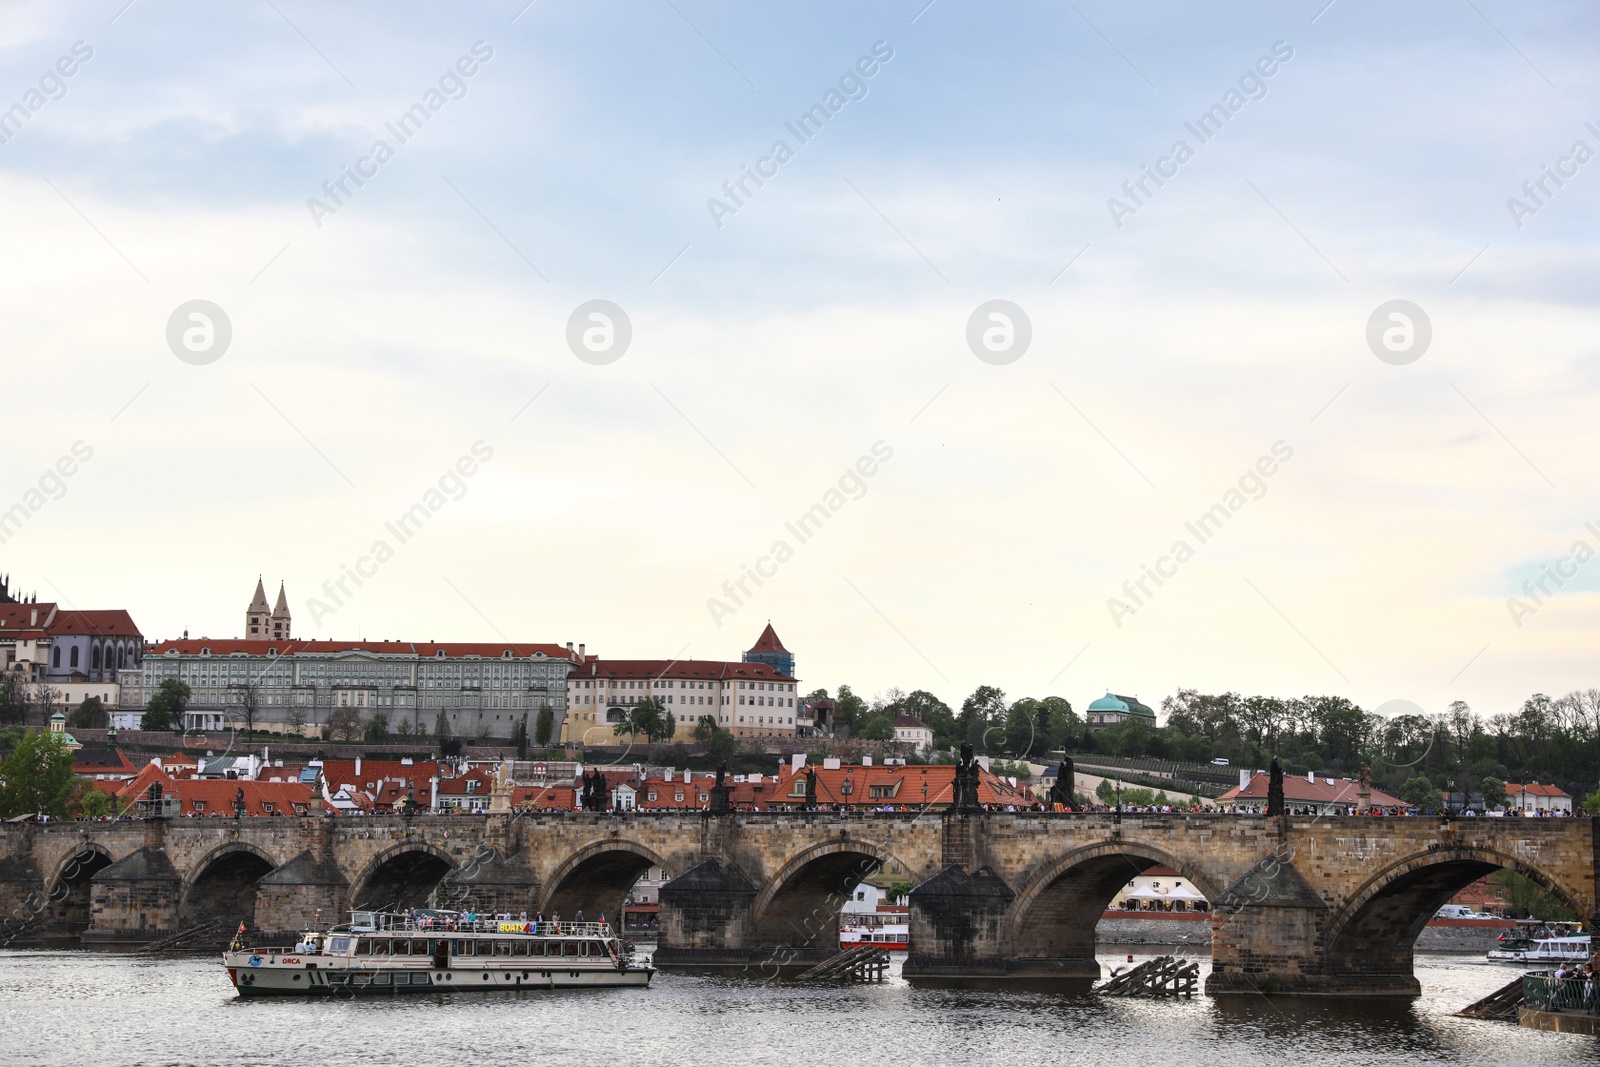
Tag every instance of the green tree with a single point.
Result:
(986, 707)
(877, 728)
(1422, 794)
(1105, 792)
(405, 729)
(544, 727)
(89, 715)
(165, 709)
(705, 729)
(722, 746)
(1021, 728)
(87, 802)
(1494, 792)
(441, 727)
(13, 698)
(378, 728)
(648, 717)
(519, 736)
(850, 713)
(934, 713)
(37, 778)
(670, 726)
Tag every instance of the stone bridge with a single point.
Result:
(1300, 904)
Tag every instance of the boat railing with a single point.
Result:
(435, 925)
(1577, 993)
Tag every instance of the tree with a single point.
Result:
(1021, 732)
(89, 715)
(877, 728)
(441, 727)
(544, 727)
(1105, 791)
(87, 802)
(670, 725)
(1494, 793)
(249, 705)
(1421, 794)
(986, 707)
(13, 698)
(850, 712)
(165, 709)
(722, 746)
(405, 729)
(296, 720)
(519, 736)
(378, 728)
(705, 729)
(344, 724)
(37, 778)
(934, 714)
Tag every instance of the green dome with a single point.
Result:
(1122, 705)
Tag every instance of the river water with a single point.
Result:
(104, 1010)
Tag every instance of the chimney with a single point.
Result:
(580, 649)
(866, 761)
(1244, 779)
(569, 648)
(1311, 776)
(358, 766)
(33, 617)
(797, 761)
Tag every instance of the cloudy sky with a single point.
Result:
(1177, 335)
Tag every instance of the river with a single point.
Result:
(83, 1008)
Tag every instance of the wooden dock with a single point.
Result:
(1501, 1004)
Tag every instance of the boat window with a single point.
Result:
(519, 948)
(341, 945)
(381, 978)
(463, 948)
(364, 946)
(596, 949)
(380, 946)
(421, 947)
(402, 947)
(502, 948)
(536, 948)
(570, 948)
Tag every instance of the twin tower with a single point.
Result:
(263, 625)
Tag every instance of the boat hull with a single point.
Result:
(325, 977)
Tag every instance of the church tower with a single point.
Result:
(257, 617)
(280, 617)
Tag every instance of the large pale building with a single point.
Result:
(748, 699)
(482, 689)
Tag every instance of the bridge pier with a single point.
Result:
(136, 899)
(705, 920)
(308, 887)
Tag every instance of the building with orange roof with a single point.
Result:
(748, 699)
(898, 786)
(478, 688)
(77, 654)
(1317, 793)
(1534, 798)
(770, 651)
(200, 797)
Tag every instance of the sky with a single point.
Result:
(1008, 494)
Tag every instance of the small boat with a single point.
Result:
(869, 919)
(438, 952)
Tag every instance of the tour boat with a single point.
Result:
(869, 920)
(1573, 949)
(439, 952)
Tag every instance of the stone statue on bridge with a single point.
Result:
(1065, 784)
(811, 789)
(1275, 789)
(966, 783)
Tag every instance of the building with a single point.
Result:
(479, 689)
(909, 730)
(749, 699)
(1534, 798)
(814, 716)
(770, 651)
(1315, 793)
(1159, 889)
(74, 654)
(219, 798)
(1114, 708)
(264, 624)
(866, 785)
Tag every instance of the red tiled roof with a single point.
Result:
(901, 785)
(1534, 789)
(87, 761)
(339, 772)
(768, 641)
(910, 722)
(110, 623)
(677, 668)
(1296, 788)
(216, 796)
(20, 616)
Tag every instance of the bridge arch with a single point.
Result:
(222, 885)
(597, 879)
(799, 905)
(1375, 932)
(67, 892)
(404, 876)
(1055, 913)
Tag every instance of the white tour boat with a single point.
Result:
(1573, 949)
(869, 919)
(439, 952)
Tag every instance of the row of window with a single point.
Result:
(426, 946)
